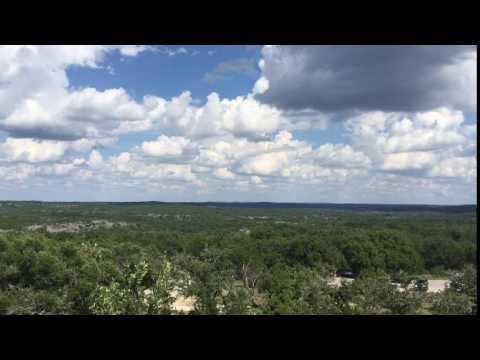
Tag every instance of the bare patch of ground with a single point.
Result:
(157, 215)
(76, 227)
(434, 286)
(182, 303)
(245, 231)
(337, 281)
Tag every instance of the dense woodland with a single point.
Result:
(81, 258)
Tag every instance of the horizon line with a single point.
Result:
(237, 202)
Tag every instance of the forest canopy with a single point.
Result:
(73, 258)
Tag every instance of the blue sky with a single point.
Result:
(168, 76)
(378, 124)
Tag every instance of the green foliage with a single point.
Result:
(139, 292)
(451, 303)
(238, 300)
(210, 276)
(27, 301)
(461, 296)
(296, 290)
(405, 302)
(230, 260)
(466, 282)
(371, 293)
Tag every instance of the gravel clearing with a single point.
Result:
(434, 286)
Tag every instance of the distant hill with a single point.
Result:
(350, 207)
(331, 206)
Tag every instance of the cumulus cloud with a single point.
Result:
(17, 174)
(266, 164)
(37, 102)
(122, 162)
(255, 179)
(465, 167)
(226, 152)
(86, 113)
(426, 131)
(35, 99)
(92, 106)
(338, 79)
(408, 160)
(297, 161)
(261, 85)
(426, 144)
(242, 116)
(341, 156)
(32, 151)
(165, 146)
(134, 50)
(55, 134)
(223, 173)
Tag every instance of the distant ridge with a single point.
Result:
(333, 206)
(281, 205)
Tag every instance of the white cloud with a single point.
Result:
(227, 151)
(341, 156)
(427, 131)
(463, 167)
(164, 172)
(419, 144)
(266, 164)
(313, 174)
(165, 146)
(420, 139)
(122, 162)
(173, 52)
(261, 85)
(63, 169)
(95, 159)
(408, 160)
(55, 135)
(242, 116)
(16, 174)
(35, 99)
(80, 161)
(223, 173)
(133, 50)
(37, 102)
(84, 145)
(32, 151)
(255, 180)
(92, 106)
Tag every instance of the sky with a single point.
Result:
(343, 124)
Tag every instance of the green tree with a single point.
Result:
(139, 292)
(210, 276)
(371, 293)
(466, 282)
(449, 302)
(406, 302)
